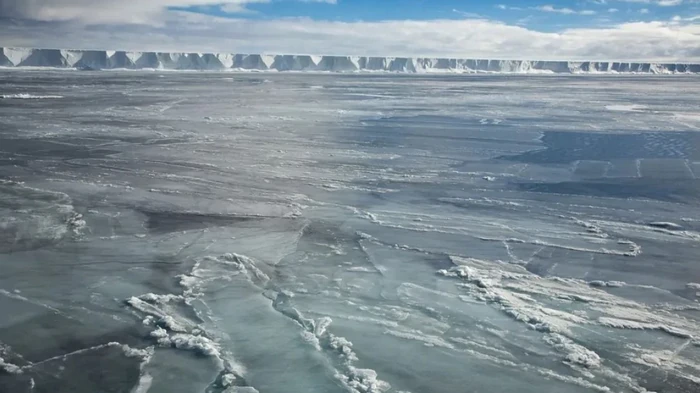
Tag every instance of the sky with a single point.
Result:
(624, 30)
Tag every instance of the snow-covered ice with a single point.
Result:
(364, 233)
(120, 60)
(25, 96)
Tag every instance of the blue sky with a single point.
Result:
(606, 30)
(544, 15)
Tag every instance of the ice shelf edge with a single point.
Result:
(103, 59)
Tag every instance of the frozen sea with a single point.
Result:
(299, 233)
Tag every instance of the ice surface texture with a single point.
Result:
(167, 232)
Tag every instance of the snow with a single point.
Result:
(609, 284)
(9, 367)
(517, 293)
(159, 333)
(144, 354)
(365, 381)
(636, 325)
(171, 324)
(426, 339)
(240, 389)
(17, 55)
(154, 298)
(25, 96)
(355, 379)
(196, 343)
(144, 385)
(575, 353)
(666, 225)
(109, 59)
(625, 108)
(199, 344)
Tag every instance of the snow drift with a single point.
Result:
(27, 57)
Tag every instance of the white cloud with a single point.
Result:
(662, 3)
(470, 15)
(470, 38)
(507, 7)
(238, 7)
(566, 11)
(114, 11)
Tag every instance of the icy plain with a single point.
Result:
(208, 232)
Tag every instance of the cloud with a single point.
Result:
(470, 15)
(238, 7)
(158, 25)
(566, 11)
(465, 38)
(662, 3)
(507, 7)
(551, 9)
(112, 11)
(679, 19)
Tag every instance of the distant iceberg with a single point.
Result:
(100, 60)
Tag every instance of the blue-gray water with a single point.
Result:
(223, 232)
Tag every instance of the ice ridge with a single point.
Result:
(103, 59)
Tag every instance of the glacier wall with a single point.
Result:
(98, 60)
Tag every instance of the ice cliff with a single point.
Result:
(97, 60)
